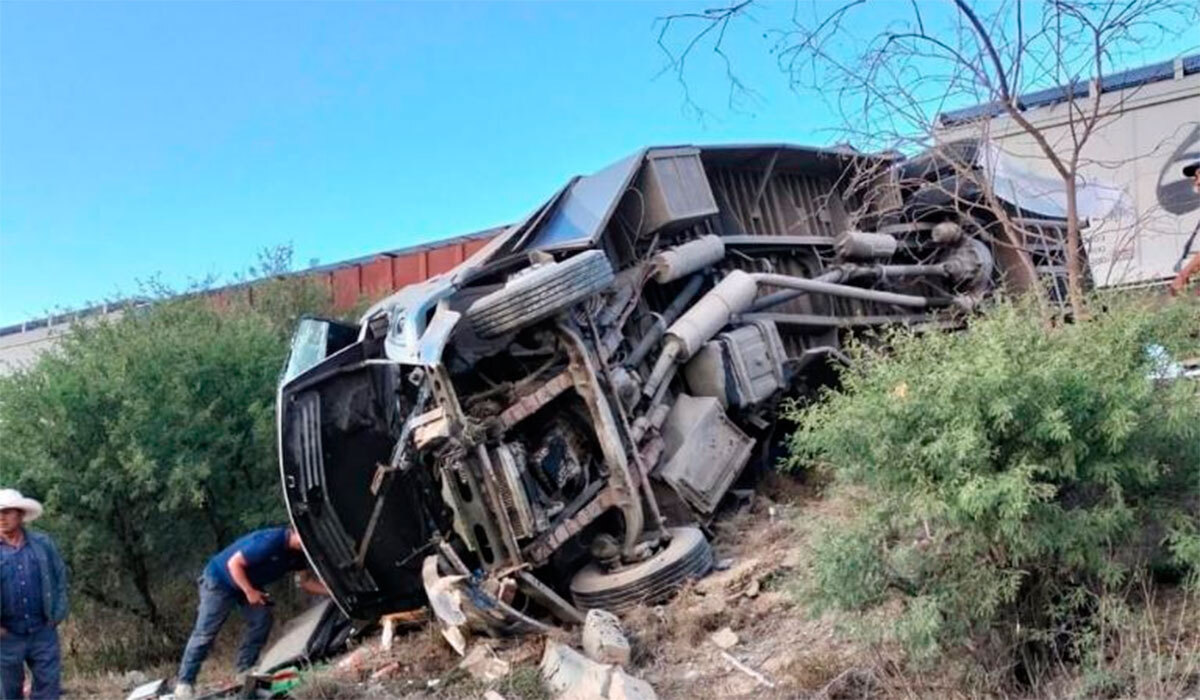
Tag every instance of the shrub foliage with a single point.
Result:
(1012, 475)
(150, 438)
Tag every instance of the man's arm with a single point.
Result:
(237, 572)
(309, 583)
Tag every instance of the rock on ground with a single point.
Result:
(572, 676)
(603, 639)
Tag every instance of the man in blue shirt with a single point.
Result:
(237, 576)
(33, 601)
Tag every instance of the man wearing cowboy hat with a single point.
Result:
(1186, 267)
(33, 600)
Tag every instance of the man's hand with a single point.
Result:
(237, 572)
(3, 631)
(310, 584)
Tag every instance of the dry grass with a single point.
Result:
(1151, 649)
(106, 653)
(422, 665)
(766, 548)
(1152, 652)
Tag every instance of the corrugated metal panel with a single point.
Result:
(472, 247)
(790, 204)
(409, 269)
(377, 277)
(444, 259)
(347, 286)
(374, 279)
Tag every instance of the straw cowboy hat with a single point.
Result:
(12, 498)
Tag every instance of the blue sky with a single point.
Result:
(182, 138)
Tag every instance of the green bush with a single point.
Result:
(1010, 476)
(150, 437)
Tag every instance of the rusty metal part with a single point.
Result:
(462, 493)
(521, 617)
(783, 296)
(674, 263)
(741, 367)
(642, 468)
(530, 404)
(510, 458)
(452, 558)
(655, 332)
(492, 488)
(430, 427)
(733, 294)
(766, 178)
(470, 513)
(705, 451)
(653, 450)
(621, 480)
(818, 321)
(863, 245)
(446, 399)
(653, 419)
(970, 264)
(548, 543)
(556, 604)
(846, 273)
(849, 292)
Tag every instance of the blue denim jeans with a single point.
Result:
(38, 649)
(216, 602)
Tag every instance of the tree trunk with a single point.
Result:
(220, 534)
(135, 564)
(1074, 268)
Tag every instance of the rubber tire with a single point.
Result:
(540, 294)
(687, 556)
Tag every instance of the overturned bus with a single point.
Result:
(558, 417)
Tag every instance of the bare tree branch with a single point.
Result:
(891, 89)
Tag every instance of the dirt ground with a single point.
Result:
(739, 632)
(783, 653)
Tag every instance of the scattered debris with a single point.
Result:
(492, 695)
(735, 579)
(445, 600)
(354, 662)
(483, 664)
(603, 638)
(145, 691)
(133, 679)
(623, 686)
(568, 671)
(393, 621)
(385, 671)
(570, 674)
(724, 638)
(762, 680)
